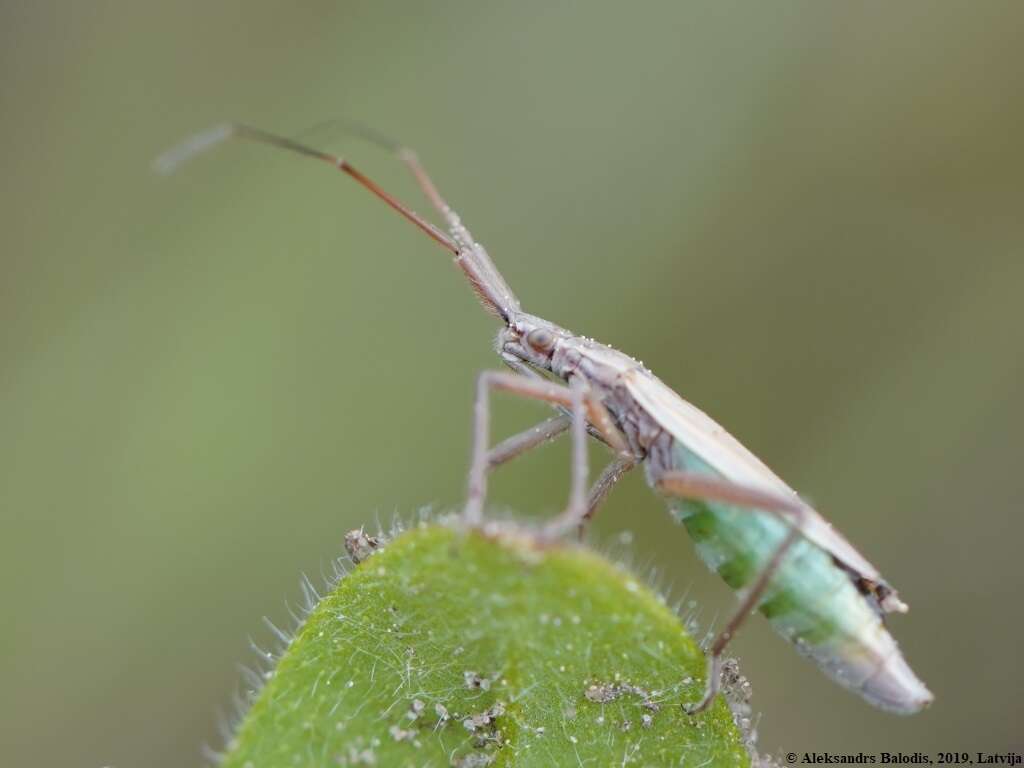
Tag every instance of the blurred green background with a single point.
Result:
(805, 217)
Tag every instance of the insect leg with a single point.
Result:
(791, 510)
(605, 430)
(600, 490)
(606, 427)
(603, 427)
(516, 445)
(536, 389)
(548, 430)
(580, 468)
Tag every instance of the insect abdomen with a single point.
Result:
(810, 600)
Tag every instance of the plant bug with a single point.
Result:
(747, 524)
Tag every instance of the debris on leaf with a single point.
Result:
(401, 734)
(602, 693)
(485, 718)
(360, 545)
(475, 681)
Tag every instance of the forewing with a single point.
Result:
(712, 443)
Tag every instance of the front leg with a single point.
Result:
(571, 519)
(572, 397)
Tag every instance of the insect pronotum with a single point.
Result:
(748, 525)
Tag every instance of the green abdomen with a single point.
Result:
(809, 600)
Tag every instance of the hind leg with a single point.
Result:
(791, 510)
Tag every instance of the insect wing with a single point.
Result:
(712, 443)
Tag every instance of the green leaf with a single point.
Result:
(448, 648)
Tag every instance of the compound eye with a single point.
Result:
(541, 339)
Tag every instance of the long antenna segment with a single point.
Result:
(175, 157)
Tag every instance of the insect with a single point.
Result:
(750, 527)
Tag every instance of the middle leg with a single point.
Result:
(526, 440)
(600, 490)
(547, 431)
